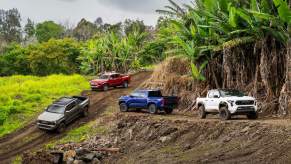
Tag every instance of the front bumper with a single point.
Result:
(96, 86)
(46, 126)
(242, 109)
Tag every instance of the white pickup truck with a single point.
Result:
(227, 103)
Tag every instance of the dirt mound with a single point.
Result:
(143, 139)
(173, 77)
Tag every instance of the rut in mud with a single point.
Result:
(30, 137)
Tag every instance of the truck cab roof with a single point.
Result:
(64, 101)
(147, 90)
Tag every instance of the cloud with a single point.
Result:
(69, 0)
(145, 6)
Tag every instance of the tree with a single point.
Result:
(10, 26)
(115, 28)
(14, 61)
(134, 25)
(48, 30)
(85, 30)
(54, 56)
(98, 22)
(29, 28)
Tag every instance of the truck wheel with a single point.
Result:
(61, 128)
(169, 111)
(153, 109)
(125, 84)
(123, 107)
(85, 112)
(252, 115)
(105, 87)
(224, 113)
(201, 112)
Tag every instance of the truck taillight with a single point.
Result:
(163, 102)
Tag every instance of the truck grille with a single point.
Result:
(46, 122)
(245, 109)
(245, 102)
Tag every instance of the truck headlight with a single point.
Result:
(231, 102)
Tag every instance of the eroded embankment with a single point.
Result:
(147, 140)
(143, 138)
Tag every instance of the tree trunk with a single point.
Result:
(285, 95)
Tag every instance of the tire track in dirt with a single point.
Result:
(30, 137)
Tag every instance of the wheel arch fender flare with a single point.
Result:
(223, 104)
(151, 103)
(200, 104)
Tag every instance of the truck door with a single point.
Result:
(71, 112)
(112, 80)
(119, 80)
(138, 100)
(213, 101)
(207, 102)
(143, 99)
(115, 80)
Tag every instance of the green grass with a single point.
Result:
(17, 160)
(22, 98)
(81, 134)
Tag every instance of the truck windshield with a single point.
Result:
(155, 94)
(104, 77)
(230, 93)
(56, 109)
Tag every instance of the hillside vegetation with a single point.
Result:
(23, 97)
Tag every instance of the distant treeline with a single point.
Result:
(48, 47)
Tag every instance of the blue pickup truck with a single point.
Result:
(152, 100)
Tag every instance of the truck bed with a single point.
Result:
(82, 101)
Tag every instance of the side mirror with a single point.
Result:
(216, 96)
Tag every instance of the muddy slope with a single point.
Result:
(30, 137)
(146, 139)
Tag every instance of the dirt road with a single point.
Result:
(191, 132)
(30, 137)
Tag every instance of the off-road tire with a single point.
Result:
(201, 112)
(252, 116)
(224, 113)
(125, 84)
(61, 128)
(153, 109)
(123, 107)
(105, 87)
(85, 112)
(169, 111)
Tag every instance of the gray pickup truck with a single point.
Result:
(62, 112)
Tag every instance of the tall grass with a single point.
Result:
(22, 98)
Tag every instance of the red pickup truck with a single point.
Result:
(107, 80)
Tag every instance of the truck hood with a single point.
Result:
(98, 81)
(235, 98)
(124, 97)
(51, 117)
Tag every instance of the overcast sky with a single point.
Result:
(111, 11)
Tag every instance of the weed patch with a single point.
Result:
(23, 97)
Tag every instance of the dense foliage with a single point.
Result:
(47, 30)
(22, 97)
(52, 57)
(89, 48)
(207, 26)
